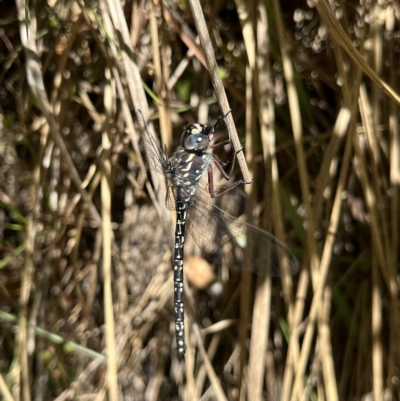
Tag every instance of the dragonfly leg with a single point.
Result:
(224, 118)
(226, 169)
(224, 190)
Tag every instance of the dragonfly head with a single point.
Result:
(197, 137)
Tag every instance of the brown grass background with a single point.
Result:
(86, 289)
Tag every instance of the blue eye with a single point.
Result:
(195, 142)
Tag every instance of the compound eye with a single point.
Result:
(197, 137)
(196, 142)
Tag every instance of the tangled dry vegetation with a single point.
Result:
(86, 308)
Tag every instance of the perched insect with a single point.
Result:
(214, 227)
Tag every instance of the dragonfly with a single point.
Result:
(214, 225)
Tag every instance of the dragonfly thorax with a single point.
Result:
(197, 137)
(187, 169)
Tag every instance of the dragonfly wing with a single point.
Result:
(155, 157)
(227, 235)
(170, 198)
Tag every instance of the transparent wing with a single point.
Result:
(170, 198)
(156, 158)
(225, 234)
(157, 161)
